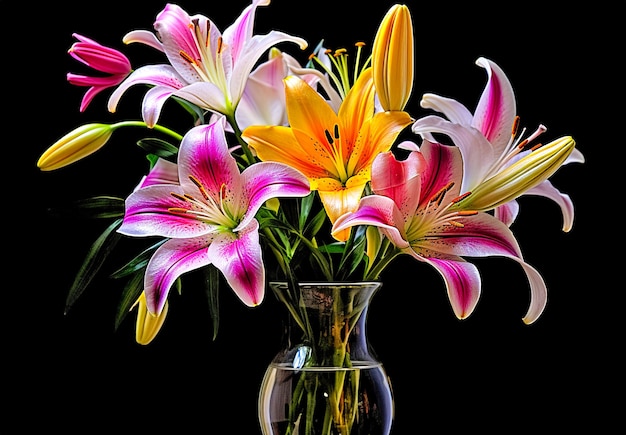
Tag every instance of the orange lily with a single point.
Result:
(334, 151)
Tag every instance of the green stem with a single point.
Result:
(389, 252)
(156, 127)
(244, 145)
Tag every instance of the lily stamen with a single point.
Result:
(515, 126)
(460, 197)
(341, 73)
(201, 188)
(516, 145)
(438, 197)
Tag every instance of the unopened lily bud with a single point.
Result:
(510, 183)
(75, 145)
(374, 241)
(392, 58)
(148, 325)
(273, 204)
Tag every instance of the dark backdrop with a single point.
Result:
(74, 373)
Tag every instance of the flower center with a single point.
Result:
(209, 65)
(208, 209)
(336, 151)
(430, 220)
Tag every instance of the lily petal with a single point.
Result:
(495, 113)
(156, 75)
(547, 190)
(239, 259)
(379, 211)
(463, 284)
(172, 259)
(163, 172)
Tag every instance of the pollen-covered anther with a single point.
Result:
(461, 197)
(186, 57)
(208, 33)
(515, 126)
(177, 210)
(438, 197)
(201, 188)
(329, 138)
(456, 224)
(179, 196)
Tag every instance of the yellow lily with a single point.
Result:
(148, 325)
(392, 58)
(334, 151)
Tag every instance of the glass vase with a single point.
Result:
(326, 379)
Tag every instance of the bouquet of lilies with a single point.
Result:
(299, 169)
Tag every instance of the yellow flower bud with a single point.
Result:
(374, 241)
(148, 325)
(508, 184)
(392, 58)
(273, 204)
(75, 145)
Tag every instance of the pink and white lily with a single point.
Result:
(411, 207)
(206, 67)
(489, 140)
(263, 100)
(111, 62)
(208, 215)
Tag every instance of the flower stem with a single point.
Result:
(157, 127)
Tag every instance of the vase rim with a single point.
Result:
(332, 282)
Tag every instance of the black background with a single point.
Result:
(490, 372)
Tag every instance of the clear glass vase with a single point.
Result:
(326, 380)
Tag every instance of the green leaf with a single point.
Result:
(130, 294)
(306, 205)
(158, 147)
(354, 251)
(315, 224)
(274, 223)
(97, 207)
(195, 111)
(212, 280)
(94, 260)
(333, 248)
(137, 263)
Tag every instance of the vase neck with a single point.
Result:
(327, 322)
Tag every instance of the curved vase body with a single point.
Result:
(326, 380)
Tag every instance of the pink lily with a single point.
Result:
(209, 217)
(411, 207)
(107, 60)
(489, 140)
(206, 67)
